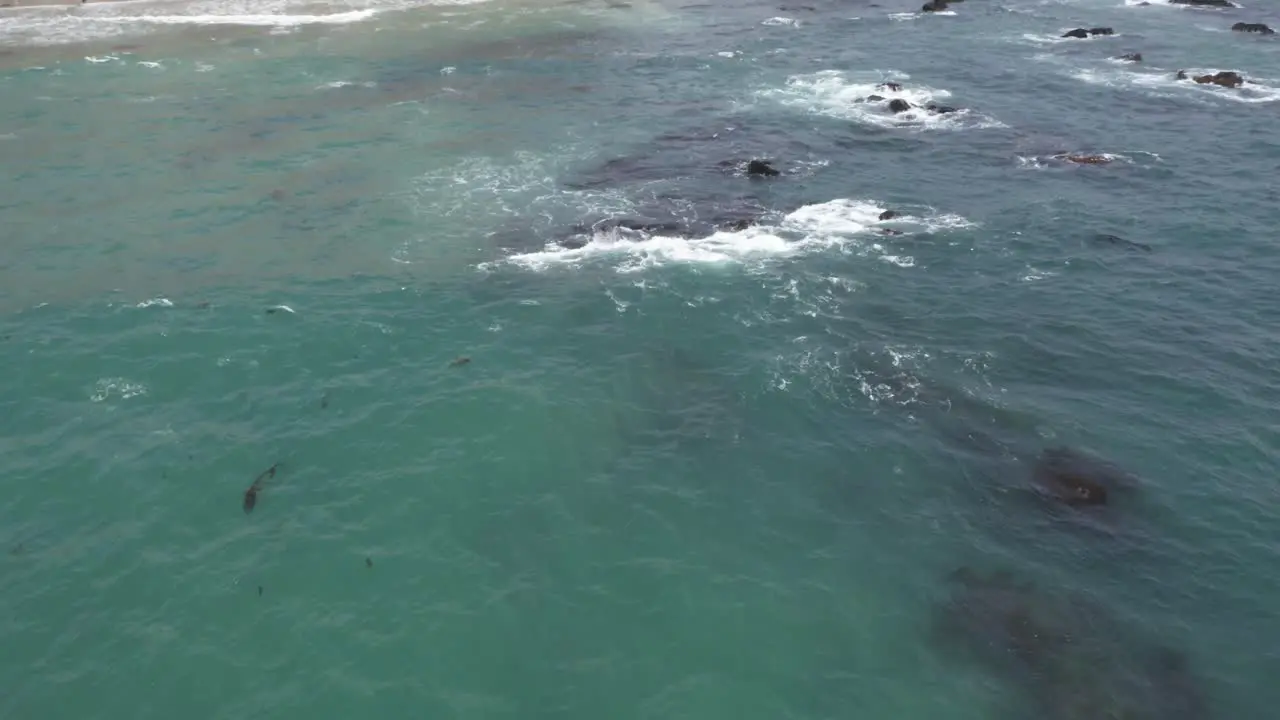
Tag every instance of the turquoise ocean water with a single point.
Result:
(721, 461)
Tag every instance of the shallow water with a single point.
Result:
(712, 476)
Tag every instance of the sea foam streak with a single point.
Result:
(1164, 83)
(844, 224)
(53, 25)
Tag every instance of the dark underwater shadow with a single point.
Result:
(1069, 655)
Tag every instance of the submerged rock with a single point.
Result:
(890, 86)
(1204, 3)
(1253, 28)
(1083, 159)
(1079, 480)
(1072, 658)
(1117, 241)
(1130, 57)
(939, 109)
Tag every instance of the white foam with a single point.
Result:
(259, 20)
(850, 226)
(346, 83)
(150, 64)
(1047, 39)
(781, 21)
(1165, 84)
(914, 15)
(117, 387)
(155, 302)
(1166, 3)
(836, 94)
(58, 24)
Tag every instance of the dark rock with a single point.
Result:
(1120, 242)
(1225, 78)
(1006, 621)
(1073, 659)
(939, 109)
(890, 231)
(890, 86)
(1204, 3)
(574, 242)
(1077, 33)
(460, 361)
(1253, 27)
(1101, 31)
(761, 168)
(899, 106)
(888, 215)
(875, 98)
(1079, 480)
(1083, 159)
(934, 6)
(1131, 57)
(1181, 75)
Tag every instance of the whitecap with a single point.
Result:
(155, 302)
(914, 15)
(1166, 3)
(346, 83)
(264, 20)
(835, 93)
(1047, 39)
(107, 388)
(1166, 84)
(845, 225)
(781, 21)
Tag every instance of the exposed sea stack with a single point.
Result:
(761, 168)
(1083, 33)
(1225, 78)
(934, 6)
(888, 215)
(1253, 28)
